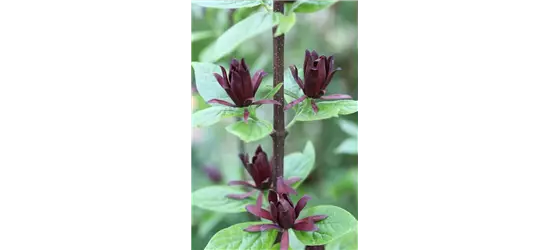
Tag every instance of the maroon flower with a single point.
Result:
(240, 86)
(318, 72)
(260, 170)
(283, 214)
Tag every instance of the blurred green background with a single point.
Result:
(331, 31)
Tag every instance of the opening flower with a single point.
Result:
(240, 86)
(283, 213)
(318, 72)
(260, 170)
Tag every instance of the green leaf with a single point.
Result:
(338, 224)
(294, 241)
(327, 110)
(226, 4)
(199, 35)
(242, 13)
(308, 6)
(234, 237)
(206, 84)
(347, 242)
(252, 131)
(214, 114)
(214, 198)
(273, 91)
(300, 164)
(285, 23)
(349, 146)
(251, 26)
(349, 127)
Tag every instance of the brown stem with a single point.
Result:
(279, 132)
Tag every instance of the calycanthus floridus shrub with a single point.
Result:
(235, 94)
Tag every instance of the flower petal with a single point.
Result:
(314, 218)
(274, 211)
(330, 63)
(314, 55)
(306, 61)
(261, 227)
(295, 102)
(234, 64)
(336, 97)
(221, 81)
(315, 108)
(321, 79)
(245, 159)
(259, 212)
(301, 204)
(273, 196)
(292, 180)
(241, 196)
(218, 101)
(257, 78)
(237, 88)
(283, 188)
(307, 225)
(285, 240)
(241, 183)
(295, 74)
(225, 76)
(329, 77)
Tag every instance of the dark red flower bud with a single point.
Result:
(240, 86)
(260, 170)
(318, 72)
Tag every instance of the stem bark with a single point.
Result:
(279, 134)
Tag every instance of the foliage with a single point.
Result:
(323, 148)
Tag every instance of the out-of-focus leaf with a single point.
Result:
(338, 224)
(348, 146)
(250, 27)
(208, 223)
(206, 84)
(285, 23)
(235, 238)
(349, 127)
(214, 198)
(300, 164)
(227, 4)
(199, 35)
(308, 6)
(212, 115)
(252, 131)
